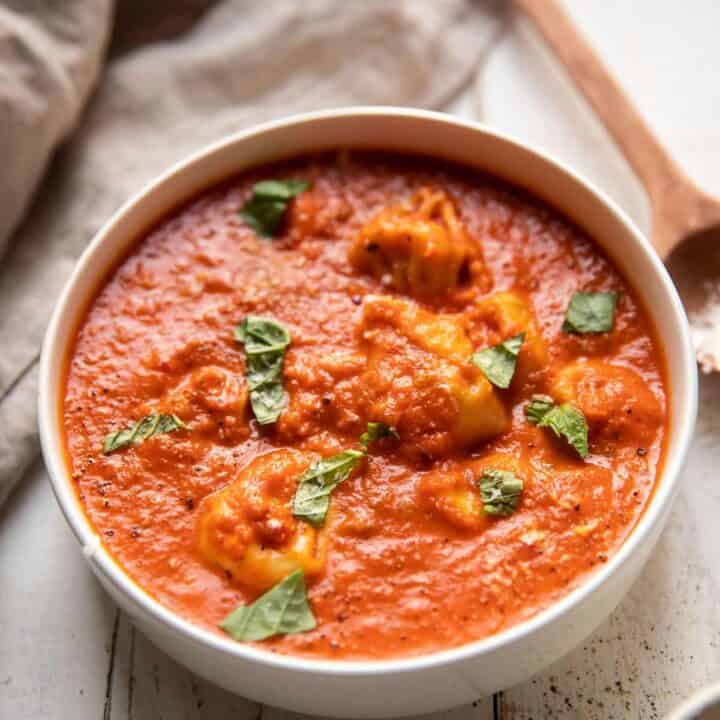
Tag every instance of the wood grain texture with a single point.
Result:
(147, 684)
(55, 620)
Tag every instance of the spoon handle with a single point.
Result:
(652, 163)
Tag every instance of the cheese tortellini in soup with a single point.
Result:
(452, 494)
(421, 246)
(212, 400)
(502, 315)
(248, 529)
(419, 378)
(615, 400)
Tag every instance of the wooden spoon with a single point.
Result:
(685, 220)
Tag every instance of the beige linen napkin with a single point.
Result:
(242, 61)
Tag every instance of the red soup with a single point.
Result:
(362, 405)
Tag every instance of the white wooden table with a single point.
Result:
(66, 651)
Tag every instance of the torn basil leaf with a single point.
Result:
(538, 407)
(142, 430)
(265, 342)
(590, 312)
(499, 361)
(376, 431)
(566, 421)
(280, 189)
(282, 610)
(500, 491)
(312, 497)
(265, 208)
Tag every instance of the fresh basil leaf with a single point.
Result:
(265, 208)
(312, 497)
(376, 431)
(590, 312)
(141, 431)
(263, 216)
(500, 491)
(499, 361)
(261, 335)
(280, 189)
(538, 407)
(282, 610)
(265, 342)
(566, 421)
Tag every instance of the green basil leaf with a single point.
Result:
(282, 610)
(566, 421)
(376, 431)
(590, 312)
(265, 208)
(312, 497)
(499, 361)
(280, 189)
(500, 491)
(265, 342)
(261, 335)
(538, 407)
(141, 431)
(263, 216)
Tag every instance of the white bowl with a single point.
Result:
(438, 680)
(702, 705)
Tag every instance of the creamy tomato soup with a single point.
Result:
(362, 405)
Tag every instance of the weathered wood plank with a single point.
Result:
(55, 620)
(149, 685)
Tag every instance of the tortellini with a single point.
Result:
(419, 378)
(248, 529)
(615, 400)
(212, 400)
(420, 248)
(453, 495)
(502, 315)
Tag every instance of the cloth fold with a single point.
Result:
(242, 62)
(50, 56)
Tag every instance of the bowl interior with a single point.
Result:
(411, 131)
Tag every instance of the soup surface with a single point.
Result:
(468, 513)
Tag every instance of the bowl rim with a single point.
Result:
(706, 698)
(51, 436)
